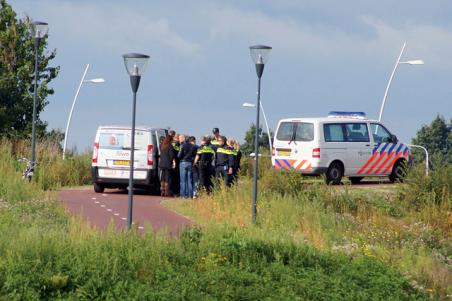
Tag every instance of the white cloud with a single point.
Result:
(321, 42)
(114, 28)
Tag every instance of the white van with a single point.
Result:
(342, 144)
(111, 157)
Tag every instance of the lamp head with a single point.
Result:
(136, 63)
(39, 29)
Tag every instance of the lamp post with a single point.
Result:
(259, 55)
(426, 155)
(93, 81)
(135, 64)
(398, 62)
(39, 30)
(252, 105)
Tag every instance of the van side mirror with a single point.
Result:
(394, 139)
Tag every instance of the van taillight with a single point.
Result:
(95, 153)
(273, 151)
(149, 155)
(316, 152)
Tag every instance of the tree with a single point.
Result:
(437, 138)
(248, 146)
(17, 59)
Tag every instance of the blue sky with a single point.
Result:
(327, 55)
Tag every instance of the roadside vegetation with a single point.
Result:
(46, 255)
(407, 227)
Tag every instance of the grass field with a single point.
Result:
(311, 242)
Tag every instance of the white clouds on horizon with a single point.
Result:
(116, 27)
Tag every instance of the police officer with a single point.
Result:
(175, 175)
(205, 158)
(224, 161)
(215, 137)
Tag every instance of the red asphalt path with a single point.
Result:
(100, 209)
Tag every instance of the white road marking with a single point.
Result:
(104, 194)
(140, 227)
(117, 214)
(103, 206)
(93, 198)
(123, 218)
(109, 210)
(97, 202)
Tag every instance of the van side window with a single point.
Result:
(333, 132)
(379, 133)
(356, 132)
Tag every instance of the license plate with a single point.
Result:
(121, 162)
(284, 153)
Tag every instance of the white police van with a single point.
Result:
(342, 144)
(110, 164)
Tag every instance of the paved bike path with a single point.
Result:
(101, 209)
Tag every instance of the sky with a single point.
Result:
(327, 55)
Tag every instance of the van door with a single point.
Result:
(293, 146)
(386, 151)
(359, 148)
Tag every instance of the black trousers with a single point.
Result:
(221, 172)
(205, 176)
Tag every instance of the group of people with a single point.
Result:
(186, 167)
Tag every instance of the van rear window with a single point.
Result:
(295, 131)
(121, 141)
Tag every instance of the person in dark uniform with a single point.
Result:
(215, 137)
(195, 182)
(175, 172)
(224, 161)
(234, 147)
(205, 158)
(166, 164)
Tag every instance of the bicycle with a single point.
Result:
(29, 169)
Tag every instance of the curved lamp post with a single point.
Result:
(39, 30)
(135, 64)
(426, 155)
(259, 55)
(93, 81)
(398, 62)
(252, 105)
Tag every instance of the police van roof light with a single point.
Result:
(341, 114)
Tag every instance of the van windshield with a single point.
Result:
(121, 140)
(295, 131)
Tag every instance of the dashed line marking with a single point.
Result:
(116, 214)
(123, 218)
(93, 198)
(104, 194)
(141, 227)
(103, 206)
(97, 202)
(109, 210)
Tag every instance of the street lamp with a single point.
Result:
(252, 105)
(135, 64)
(39, 30)
(93, 81)
(259, 55)
(398, 62)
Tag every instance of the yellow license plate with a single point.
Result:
(121, 162)
(284, 153)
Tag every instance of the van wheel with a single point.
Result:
(398, 172)
(98, 188)
(355, 180)
(334, 173)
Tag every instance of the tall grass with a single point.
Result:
(44, 255)
(408, 228)
(51, 171)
